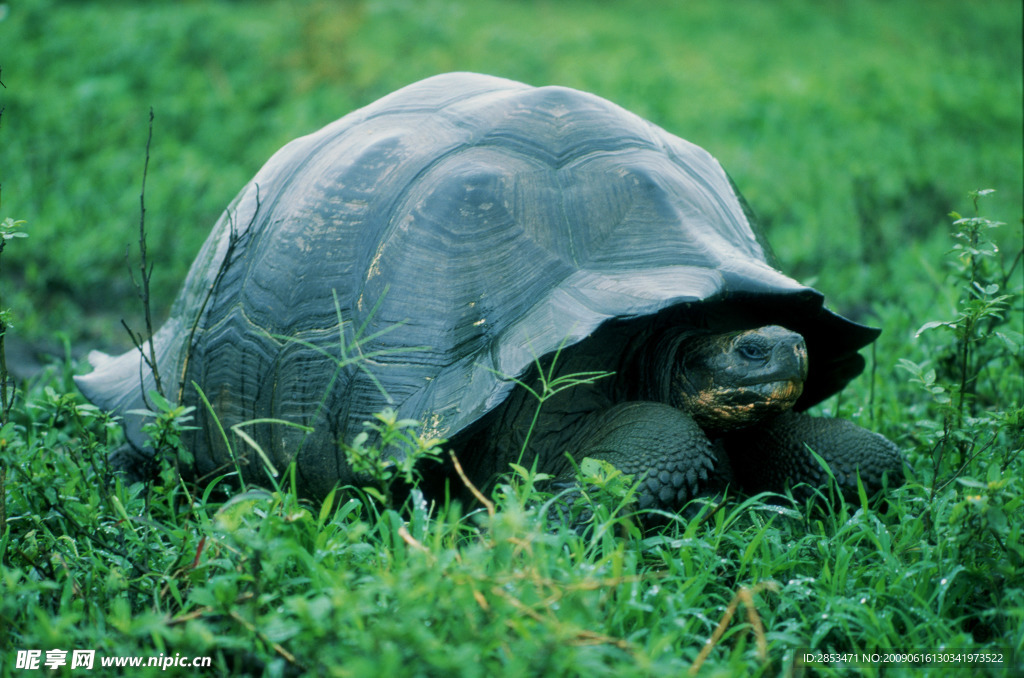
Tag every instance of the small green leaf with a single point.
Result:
(520, 471)
(996, 519)
(932, 325)
(591, 467)
(1013, 340)
(161, 402)
(972, 483)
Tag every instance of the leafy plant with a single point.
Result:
(164, 428)
(984, 342)
(9, 230)
(549, 384)
(390, 450)
(975, 439)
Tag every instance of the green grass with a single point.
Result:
(853, 129)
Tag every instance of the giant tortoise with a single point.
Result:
(437, 250)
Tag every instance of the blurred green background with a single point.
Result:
(853, 128)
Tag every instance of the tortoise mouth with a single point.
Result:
(769, 382)
(780, 393)
(735, 407)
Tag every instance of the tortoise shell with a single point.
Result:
(422, 251)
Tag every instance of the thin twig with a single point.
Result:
(967, 462)
(472, 488)
(146, 273)
(5, 405)
(6, 398)
(718, 507)
(249, 626)
(3, 498)
(871, 384)
(746, 596)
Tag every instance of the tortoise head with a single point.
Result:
(735, 379)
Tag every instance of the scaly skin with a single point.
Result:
(774, 456)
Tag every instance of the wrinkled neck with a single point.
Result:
(648, 364)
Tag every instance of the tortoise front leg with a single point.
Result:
(774, 455)
(657, 443)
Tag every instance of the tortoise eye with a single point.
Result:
(752, 351)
